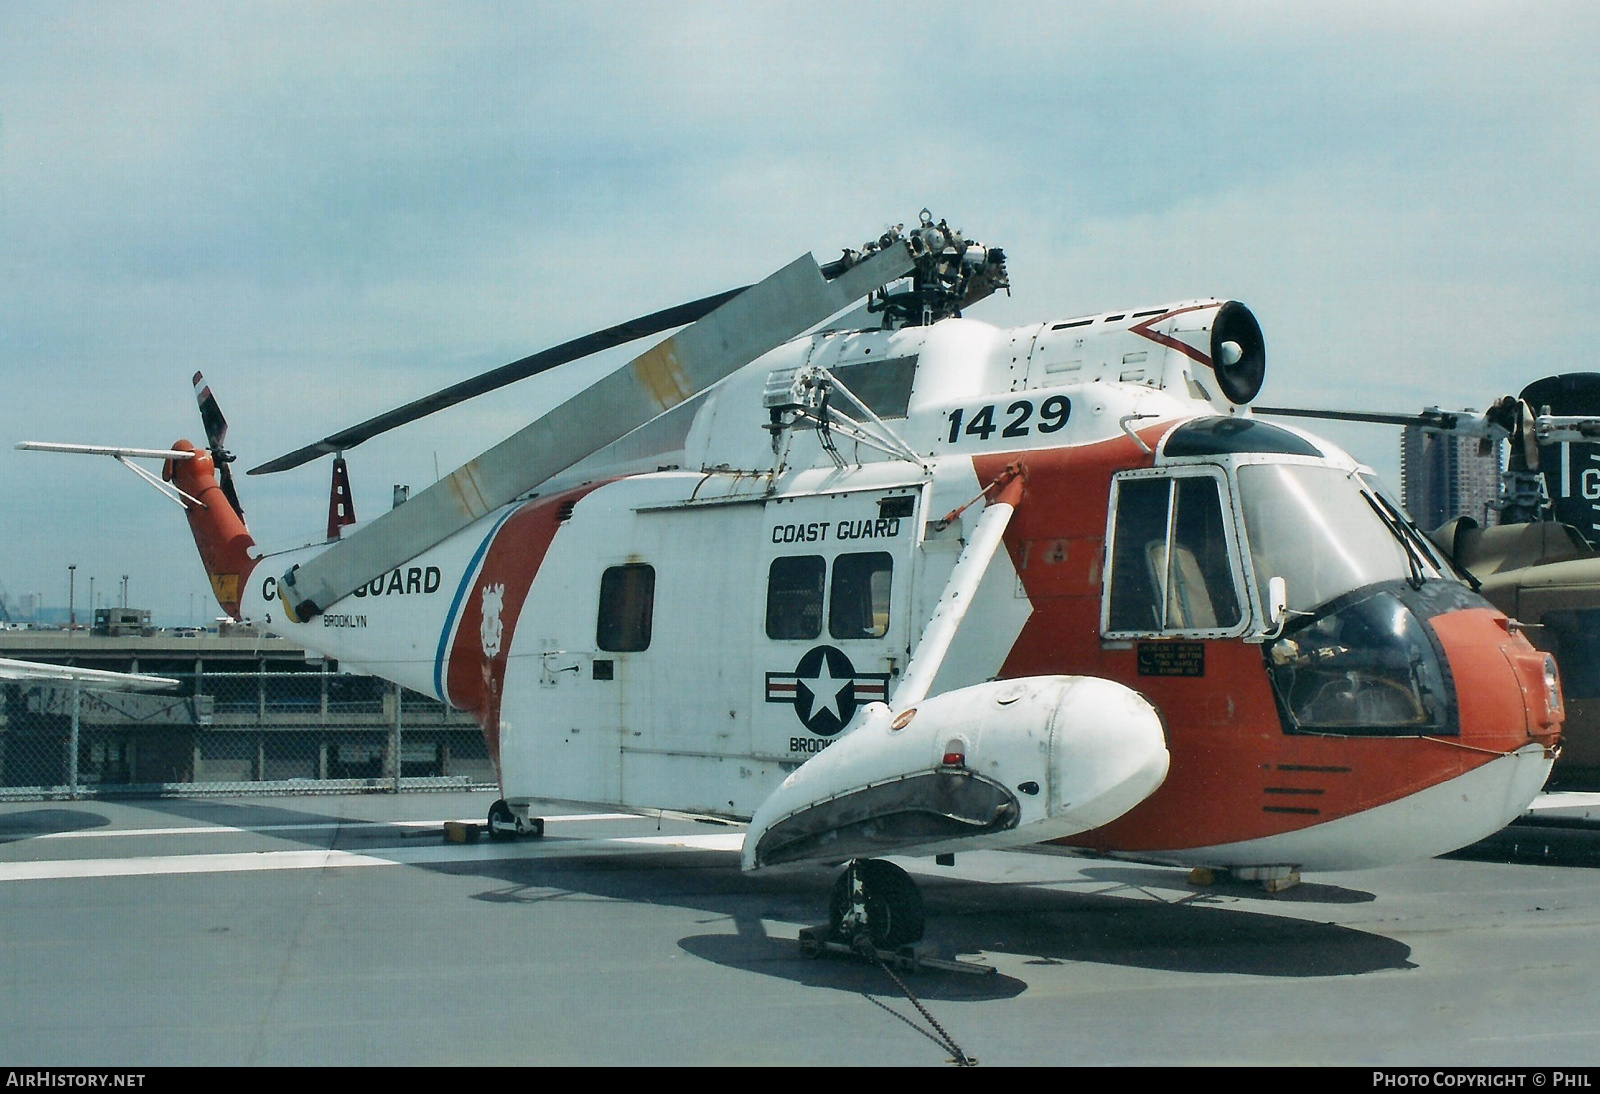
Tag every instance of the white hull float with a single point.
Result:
(998, 764)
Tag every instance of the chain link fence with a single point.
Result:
(232, 733)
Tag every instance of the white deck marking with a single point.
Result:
(254, 861)
(719, 841)
(1538, 1036)
(183, 864)
(1565, 801)
(210, 829)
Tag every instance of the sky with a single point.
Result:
(331, 209)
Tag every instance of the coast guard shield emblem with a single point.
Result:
(489, 630)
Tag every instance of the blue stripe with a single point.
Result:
(467, 578)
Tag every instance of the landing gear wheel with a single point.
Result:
(502, 821)
(892, 905)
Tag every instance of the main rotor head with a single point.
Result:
(951, 273)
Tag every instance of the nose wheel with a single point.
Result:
(876, 900)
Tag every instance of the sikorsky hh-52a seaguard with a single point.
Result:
(910, 584)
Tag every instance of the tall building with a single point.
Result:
(1444, 477)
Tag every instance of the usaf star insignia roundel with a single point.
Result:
(826, 689)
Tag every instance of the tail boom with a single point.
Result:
(219, 530)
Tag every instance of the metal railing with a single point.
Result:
(233, 733)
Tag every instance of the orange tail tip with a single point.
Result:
(219, 530)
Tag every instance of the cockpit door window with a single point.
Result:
(1201, 595)
(1138, 555)
(1172, 562)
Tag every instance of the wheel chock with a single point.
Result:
(461, 832)
(1281, 884)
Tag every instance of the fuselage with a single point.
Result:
(686, 637)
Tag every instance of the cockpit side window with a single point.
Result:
(1139, 555)
(1171, 571)
(1200, 591)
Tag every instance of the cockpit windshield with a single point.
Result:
(1317, 529)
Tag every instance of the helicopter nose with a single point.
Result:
(1542, 700)
(1506, 717)
(1508, 693)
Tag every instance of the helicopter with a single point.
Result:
(885, 580)
(1537, 561)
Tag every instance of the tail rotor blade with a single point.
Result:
(210, 413)
(216, 436)
(225, 480)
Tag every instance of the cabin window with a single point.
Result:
(1170, 565)
(794, 596)
(627, 604)
(859, 606)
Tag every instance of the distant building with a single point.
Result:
(122, 622)
(1446, 477)
(251, 713)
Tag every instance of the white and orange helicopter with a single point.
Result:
(924, 586)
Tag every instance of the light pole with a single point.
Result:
(72, 589)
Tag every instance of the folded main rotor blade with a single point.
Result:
(98, 679)
(106, 450)
(533, 364)
(756, 321)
